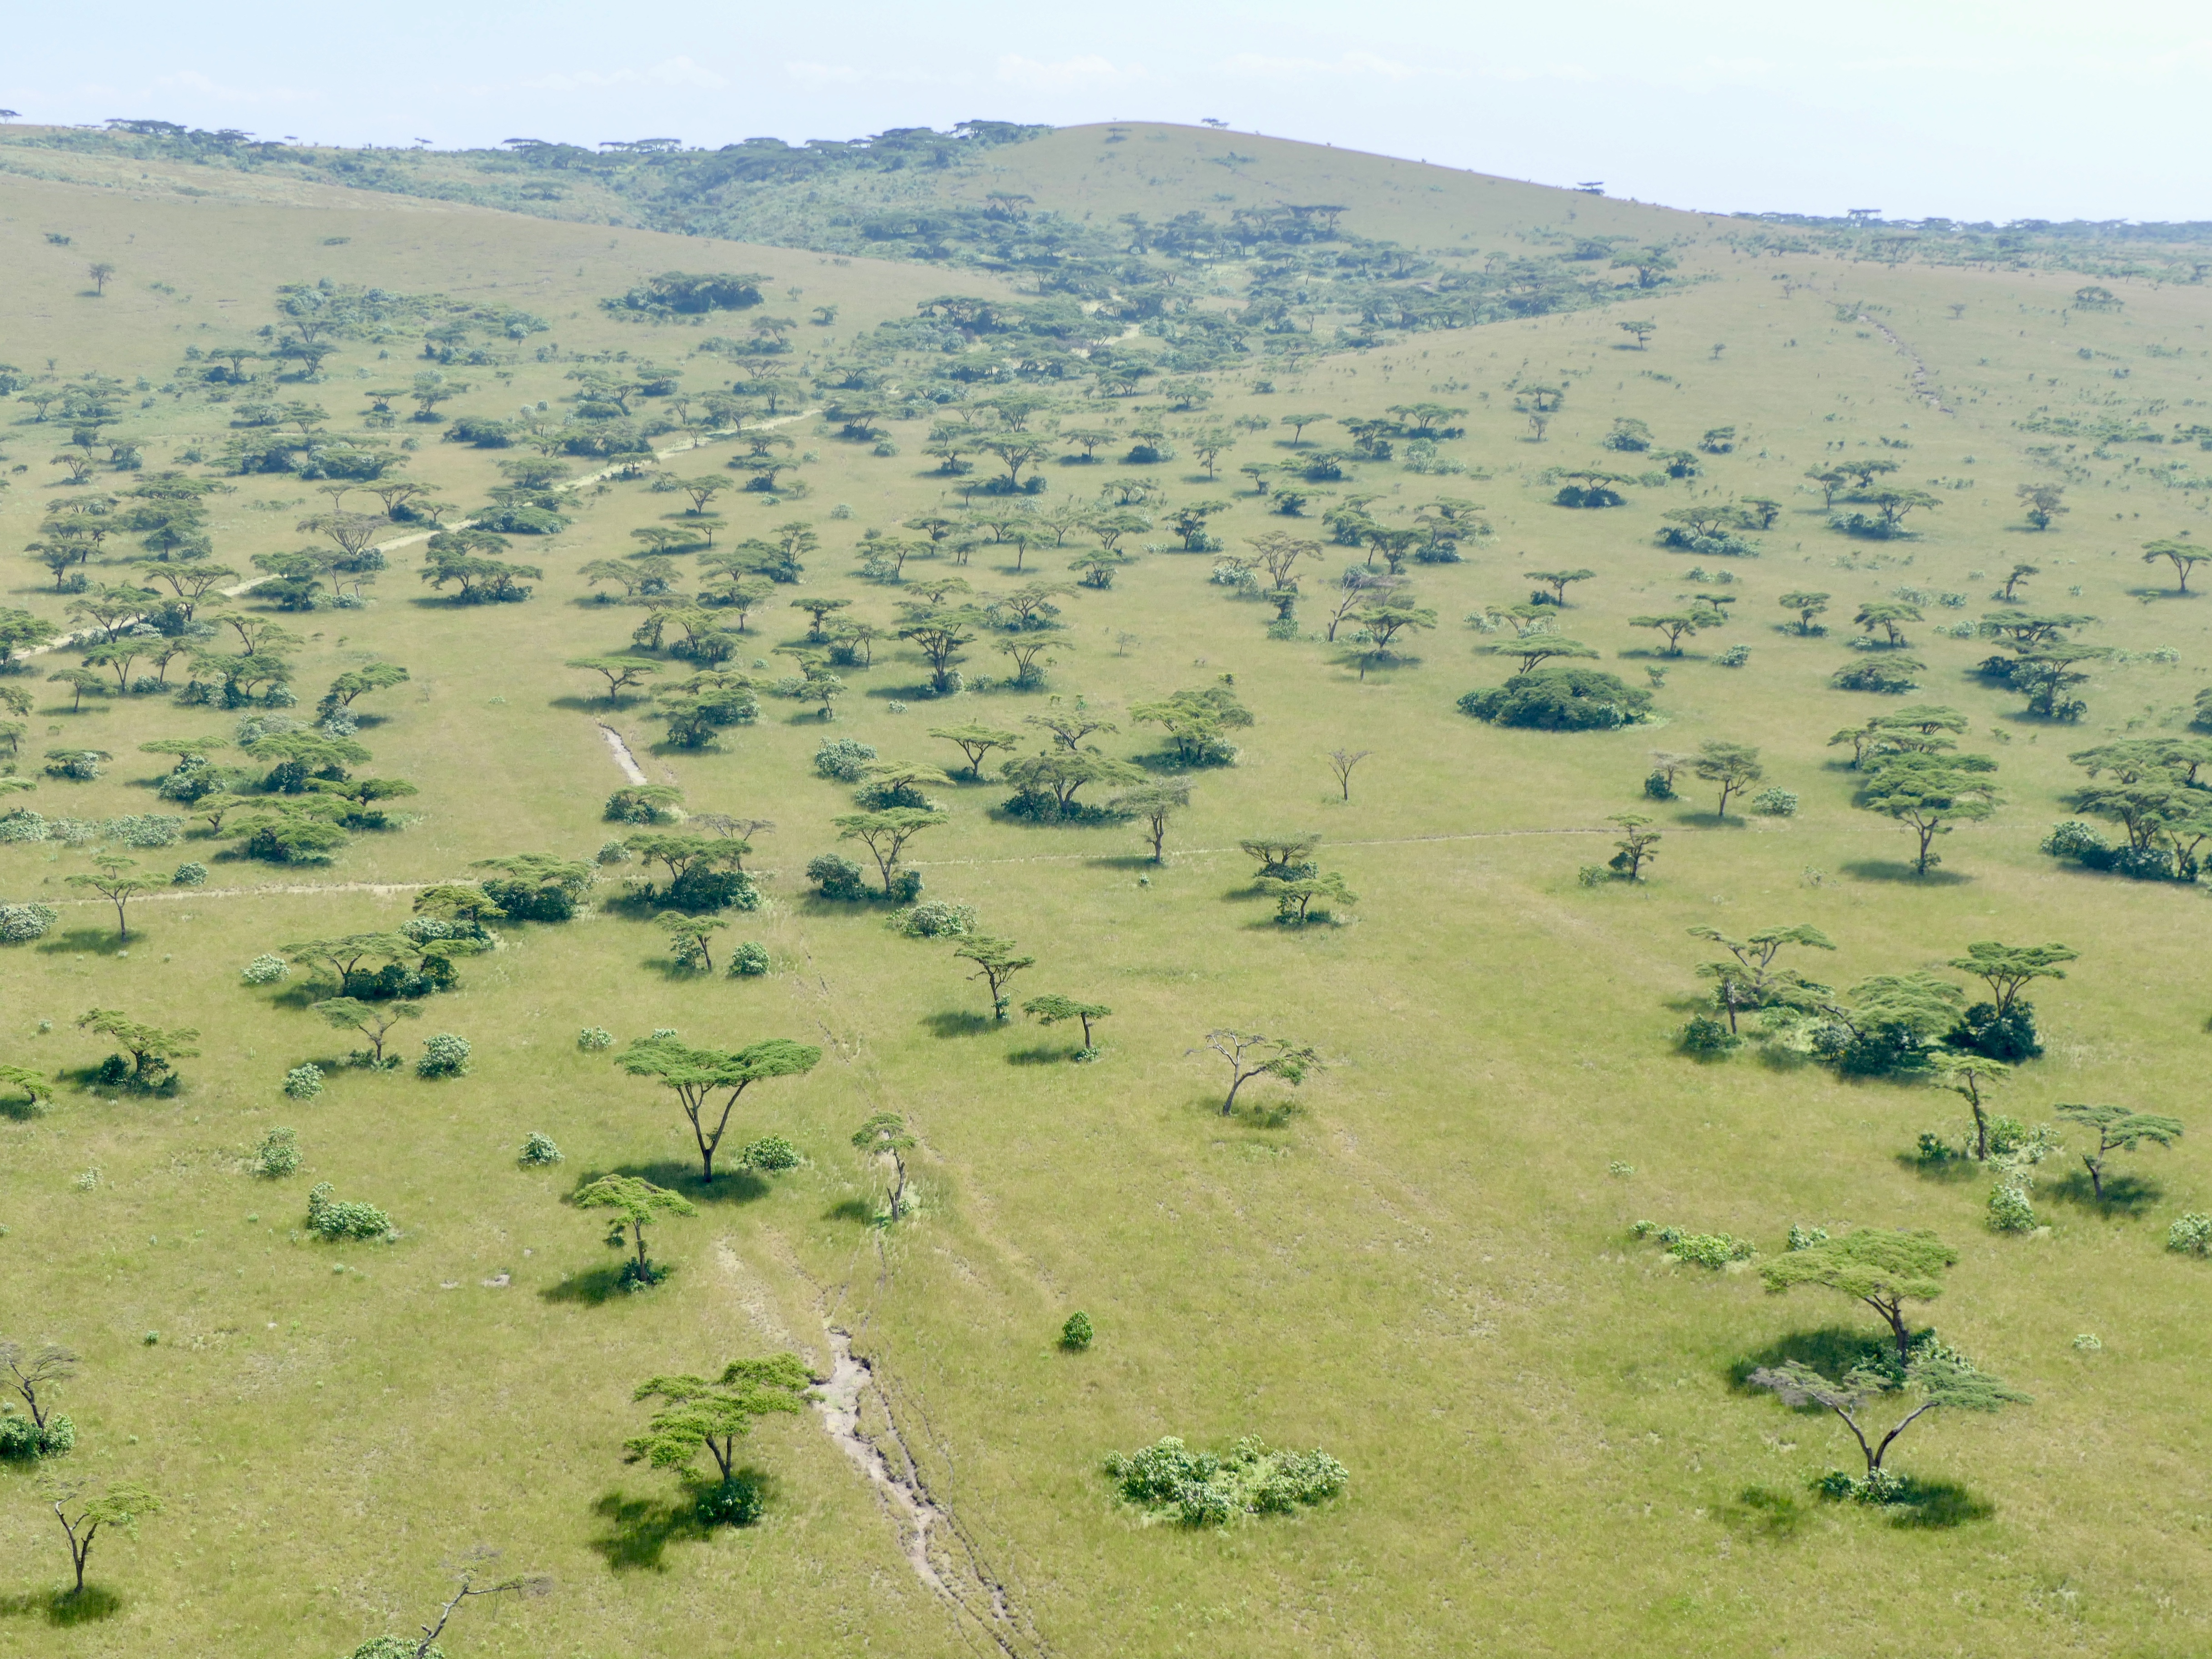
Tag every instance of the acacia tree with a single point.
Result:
(1929, 794)
(997, 962)
(1750, 978)
(1052, 1010)
(1884, 1270)
(2185, 556)
(466, 1586)
(713, 1414)
(46, 1368)
(885, 834)
(636, 1202)
(2120, 1129)
(1966, 1076)
(1733, 766)
(977, 741)
(1557, 580)
(2008, 969)
(1808, 606)
(696, 1075)
(1934, 1373)
(373, 1020)
(84, 1506)
(1251, 1054)
(1156, 805)
(621, 673)
(1341, 762)
(885, 1135)
(1636, 844)
(150, 1047)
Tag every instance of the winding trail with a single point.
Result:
(623, 758)
(1922, 385)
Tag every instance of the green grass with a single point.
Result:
(1417, 1262)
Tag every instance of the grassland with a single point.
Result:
(1419, 1262)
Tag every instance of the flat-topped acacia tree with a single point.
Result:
(696, 1076)
(1884, 1270)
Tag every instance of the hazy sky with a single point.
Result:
(2018, 110)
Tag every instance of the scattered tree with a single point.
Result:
(1251, 1054)
(636, 1202)
(713, 1414)
(1929, 794)
(1341, 762)
(84, 1506)
(695, 1075)
(1884, 1270)
(2185, 556)
(2118, 1130)
(885, 1135)
(1733, 766)
(1936, 1375)
(1155, 805)
(997, 962)
(1052, 1010)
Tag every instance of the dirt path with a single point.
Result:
(623, 758)
(69, 642)
(1922, 385)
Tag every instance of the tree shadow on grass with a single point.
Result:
(851, 1209)
(639, 1530)
(1053, 1055)
(65, 1608)
(592, 1287)
(88, 941)
(1831, 1349)
(952, 1023)
(1885, 870)
(2125, 1195)
(1936, 1506)
(1943, 1171)
(1123, 861)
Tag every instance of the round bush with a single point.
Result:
(1774, 804)
(734, 1503)
(836, 878)
(594, 1038)
(1659, 787)
(1078, 1332)
(278, 1154)
(771, 1154)
(1735, 657)
(190, 875)
(304, 1082)
(538, 1151)
(2191, 1234)
(845, 759)
(21, 923)
(749, 960)
(443, 1056)
(2010, 1210)
(1560, 698)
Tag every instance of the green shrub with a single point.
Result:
(749, 960)
(1659, 787)
(837, 878)
(265, 970)
(2009, 1211)
(938, 918)
(538, 1151)
(1735, 657)
(22, 923)
(1076, 1332)
(1714, 1250)
(443, 1056)
(190, 875)
(593, 1038)
(1706, 1038)
(845, 759)
(1203, 1490)
(278, 1154)
(1774, 804)
(331, 1219)
(737, 1502)
(2191, 1234)
(20, 1439)
(304, 1082)
(1804, 1238)
(771, 1154)
(1559, 698)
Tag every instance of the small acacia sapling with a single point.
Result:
(636, 1202)
(997, 961)
(85, 1506)
(712, 1415)
(1252, 1055)
(885, 1135)
(2118, 1130)
(1636, 844)
(1052, 1010)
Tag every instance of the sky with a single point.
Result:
(2025, 109)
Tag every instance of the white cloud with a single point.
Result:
(193, 81)
(1362, 63)
(669, 72)
(1088, 71)
(817, 77)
